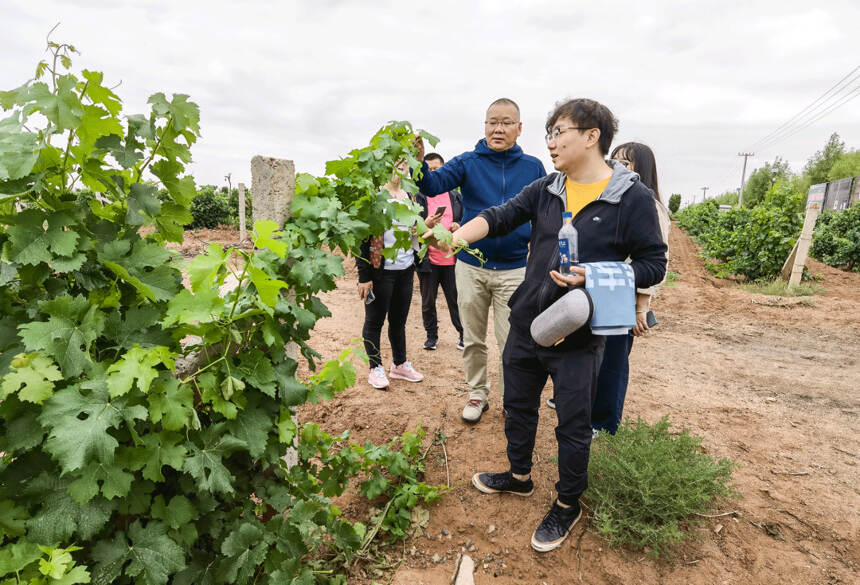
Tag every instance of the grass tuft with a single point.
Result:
(646, 484)
(781, 288)
(672, 278)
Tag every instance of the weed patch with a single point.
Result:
(646, 484)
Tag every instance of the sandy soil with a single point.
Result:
(771, 384)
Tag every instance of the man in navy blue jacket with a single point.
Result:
(490, 175)
(615, 216)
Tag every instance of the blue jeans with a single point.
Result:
(612, 384)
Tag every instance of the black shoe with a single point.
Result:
(460, 345)
(551, 403)
(555, 526)
(430, 344)
(494, 483)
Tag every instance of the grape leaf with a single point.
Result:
(205, 463)
(138, 365)
(37, 375)
(178, 512)
(256, 369)
(32, 243)
(153, 554)
(18, 149)
(158, 450)
(79, 426)
(265, 232)
(252, 426)
(60, 517)
(115, 482)
(171, 404)
(204, 306)
(205, 269)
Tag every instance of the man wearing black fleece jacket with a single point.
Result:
(616, 219)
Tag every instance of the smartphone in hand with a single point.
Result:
(650, 319)
(440, 210)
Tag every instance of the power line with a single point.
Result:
(847, 98)
(785, 127)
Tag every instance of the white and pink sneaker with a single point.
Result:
(405, 371)
(377, 378)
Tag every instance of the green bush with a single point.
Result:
(211, 209)
(646, 484)
(836, 240)
(118, 465)
(675, 202)
(750, 242)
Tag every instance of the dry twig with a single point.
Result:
(732, 513)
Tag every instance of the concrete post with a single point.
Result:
(242, 226)
(273, 183)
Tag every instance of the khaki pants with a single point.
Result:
(477, 290)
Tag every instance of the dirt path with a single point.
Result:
(774, 388)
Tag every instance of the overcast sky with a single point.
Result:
(698, 81)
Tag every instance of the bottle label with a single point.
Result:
(564, 255)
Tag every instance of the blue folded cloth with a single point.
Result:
(613, 291)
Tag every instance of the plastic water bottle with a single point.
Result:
(568, 244)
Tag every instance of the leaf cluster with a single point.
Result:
(121, 460)
(836, 240)
(646, 483)
(750, 242)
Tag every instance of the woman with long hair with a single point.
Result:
(612, 380)
(385, 286)
(608, 405)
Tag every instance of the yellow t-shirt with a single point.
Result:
(579, 195)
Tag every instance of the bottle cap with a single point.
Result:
(567, 215)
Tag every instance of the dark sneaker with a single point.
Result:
(430, 344)
(494, 483)
(460, 345)
(551, 403)
(555, 526)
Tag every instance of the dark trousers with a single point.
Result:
(393, 291)
(574, 377)
(429, 282)
(612, 383)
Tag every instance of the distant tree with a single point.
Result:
(848, 165)
(761, 180)
(727, 198)
(675, 202)
(817, 169)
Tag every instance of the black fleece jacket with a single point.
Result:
(622, 223)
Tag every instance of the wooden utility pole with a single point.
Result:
(746, 155)
(704, 193)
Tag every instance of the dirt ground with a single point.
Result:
(771, 384)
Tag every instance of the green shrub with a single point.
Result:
(675, 202)
(117, 465)
(211, 209)
(750, 242)
(836, 240)
(645, 485)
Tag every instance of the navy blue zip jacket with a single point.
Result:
(487, 178)
(621, 223)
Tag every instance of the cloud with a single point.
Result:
(312, 80)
